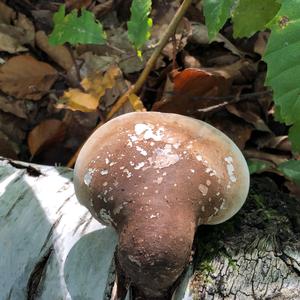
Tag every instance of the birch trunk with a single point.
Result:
(51, 248)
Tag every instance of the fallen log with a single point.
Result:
(51, 247)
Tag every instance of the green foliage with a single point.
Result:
(216, 13)
(283, 59)
(74, 29)
(251, 16)
(258, 166)
(291, 169)
(139, 24)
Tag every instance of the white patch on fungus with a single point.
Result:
(208, 182)
(87, 179)
(163, 157)
(107, 161)
(104, 172)
(199, 157)
(192, 170)
(89, 176)
(203, 189)
(129, 174)
(141, 150)
(177, 145)
(223, 206)
(154, 216)
(159, 180)
(139, 165)
(105, 183)
(147, 131)
(230, 168)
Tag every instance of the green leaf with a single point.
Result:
(294, 136)
(258, 166)
(74, 29)
(283, 58)
(139, 24)
(251, 16)
(216, 13)
(291, 169)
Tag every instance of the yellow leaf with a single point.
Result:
(136, 102)
(75, 99)
(96, 84)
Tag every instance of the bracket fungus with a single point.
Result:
(155, 177)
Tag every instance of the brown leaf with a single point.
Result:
(27, 26)
(60, 54)
(8, 148)
(6, 14)
(18, 108)
(237, 130)
(25, 77)
(46, 133)
(10, 44)
(194, 89)
(250, 112)
(78, 3)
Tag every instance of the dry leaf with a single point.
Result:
(250, 112)
(60, 54)
(237, 130)
(75, 99)
(136, 102)
(27, 26)
(8, 148)
(97, 84)
(15, 128)
(6, 14)
(9, 44)
(25, 77)
(71, 4)
(18, 108)
(200, 36)
(46, 133)
(94, 86)
(194, 89)
(14, 37)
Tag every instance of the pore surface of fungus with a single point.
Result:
(155, 177)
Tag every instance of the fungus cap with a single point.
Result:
(141, 156)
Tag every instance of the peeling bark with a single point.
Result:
(51, 248)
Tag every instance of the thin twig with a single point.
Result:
(149, 66)
(151, 62)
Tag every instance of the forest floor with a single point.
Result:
(45, 113)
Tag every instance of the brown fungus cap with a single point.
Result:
(155, 177)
